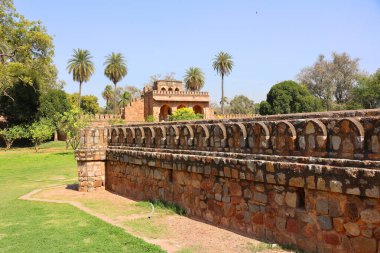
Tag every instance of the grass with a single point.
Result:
(260, 247)
(47, 227)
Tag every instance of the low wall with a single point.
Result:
(320, 199)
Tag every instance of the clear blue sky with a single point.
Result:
(158, 37)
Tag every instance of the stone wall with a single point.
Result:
(134, 112)
(311, 180)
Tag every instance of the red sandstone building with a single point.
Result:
(164, 98)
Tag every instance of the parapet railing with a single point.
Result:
(106, 116)
(347, 134)
(189, 93)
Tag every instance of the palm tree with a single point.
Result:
(223, 64)
(107, 94)
(115, 70)
(194, 79)
(125, 98)
(82, 68)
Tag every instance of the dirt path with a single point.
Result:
(172, 232)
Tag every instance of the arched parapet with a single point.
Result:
(218, 136)
(109, 135)
(114, 136)
(236, 136)
(347, 139)
(258, 135)
(140, 136)
(150, 136)
(186, 138)
(122, 134)
(283, 137)
(202, 136)
(131, 135)
(160, 136)
(173, 136)
(313, 138)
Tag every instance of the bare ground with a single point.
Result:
(172, 232)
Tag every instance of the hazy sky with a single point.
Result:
(270, 41)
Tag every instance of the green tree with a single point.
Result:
(367, 93)
(290, 97)
(194, 79)
(41, 131)
(82, 68)
(71, 123)
(26, 46)
(52, 106)
(185, 114)
(107, 94)
(9, 135)
(265, 108)
(332, 80)
(125, 98)
(242, 105)
(115, 70)
(223, 65)
(88, 104)
(135, 92)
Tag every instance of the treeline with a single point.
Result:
(32, 101)
(335, 84)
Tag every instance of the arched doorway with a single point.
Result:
(181, 106)
(165, 111)
(198, 109)
(170, 90)
(176, 89)
(163, 89)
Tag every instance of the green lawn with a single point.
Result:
(27, 226)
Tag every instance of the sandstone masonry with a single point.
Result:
(311, 180)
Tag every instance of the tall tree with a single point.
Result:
(115, 70)
(242, 105)
(194, 79)
(223, 65)
(107, 94)
(289, 97)
(82, 68)
(332, 81)
(367, 93)
(125, 98)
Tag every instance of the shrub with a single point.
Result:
(185, 114)
(150, 118)
(41, 131)
(9, 135)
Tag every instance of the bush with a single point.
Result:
(150, 118)
(41, 131)
(290, 97)
(9, 135)
(71, 123)
(185, 114)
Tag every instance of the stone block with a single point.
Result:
(281, 178)
(335, 186)
(370, 216)
(291, 199)
(334, 208)
(338, 224)
(331, 238)
(297, 182)
(324, 222)
(280, 223)
(260, 197)
(363, 245)
(322, 206)
(352, 229)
